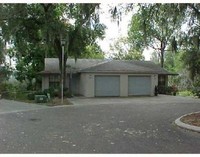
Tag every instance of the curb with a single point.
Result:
(187, 126)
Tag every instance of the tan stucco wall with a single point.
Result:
(82, 84)
(45, 82)
(87, 83)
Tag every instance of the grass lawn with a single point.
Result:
(185, 93)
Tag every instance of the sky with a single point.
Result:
(114, 31)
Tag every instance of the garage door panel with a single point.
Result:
(139, 85)
(107, 86)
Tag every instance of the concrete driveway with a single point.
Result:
(161, 99)
(102, 125)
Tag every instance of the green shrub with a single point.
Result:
(196, 87)
(169, 90)
(50, 91)
(185, 93)
(196, 91)
(54, 92)
(161, 90)
(39, 93)
(31, 96)
(7, 90)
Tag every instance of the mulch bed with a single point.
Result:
(57, 102)
(192, 119)
(52, 102)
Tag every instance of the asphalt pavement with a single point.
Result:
(9, 106)
(111, 125)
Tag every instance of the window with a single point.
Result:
(54, 78)
(161, 80)
(54, 81)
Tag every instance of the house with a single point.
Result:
(101, 77)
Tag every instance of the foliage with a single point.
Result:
(52, 91)
(92, 51)
(191, 58)
(196, 91)
(5, 73)
(2, 57)
(35, 31)
(169, 90)
(4, 89)
(31, 96)
(185, 93)
(196, 87)
(154, 26)
(29, 64)
(124, 50)
(12, 90)
(154, 57)
(134, 55)
(189, 40)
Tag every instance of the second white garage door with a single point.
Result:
(107, 86)
(139, 85)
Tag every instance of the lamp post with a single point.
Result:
(62, 69)
(1, 33)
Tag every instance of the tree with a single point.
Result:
(190, 40)
(154, 26)
(41, 26)
(134, 55)
(93, 51)
(125, 50)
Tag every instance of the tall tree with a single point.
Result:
(30, 26)
(155, 26)
(190, 39)
(123, 49)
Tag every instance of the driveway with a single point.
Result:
(161, 99)
(8, 106)
(102, 125)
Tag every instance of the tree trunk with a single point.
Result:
(162, 58)
(162, 51)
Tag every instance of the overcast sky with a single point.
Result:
(114, 31)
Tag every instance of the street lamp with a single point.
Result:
(62, 69)
(1, 32)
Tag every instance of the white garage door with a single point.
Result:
(107, 85)
(139, 85)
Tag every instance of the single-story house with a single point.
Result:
(103, 77)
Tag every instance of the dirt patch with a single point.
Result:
(57, 102)
(192, 119)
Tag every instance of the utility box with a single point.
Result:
(41, 98)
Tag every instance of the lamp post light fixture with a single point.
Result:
(62, 69)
